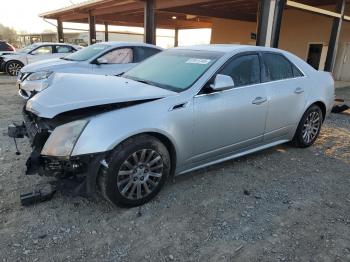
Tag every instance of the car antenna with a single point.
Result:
(17, 151)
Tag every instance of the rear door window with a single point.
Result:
(142, 53)
(277, 66)
(61, 49)
(119, 56)
(244, 70)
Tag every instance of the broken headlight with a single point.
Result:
(39, 75)
(62, 140)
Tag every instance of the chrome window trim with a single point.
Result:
(250, 53)
(247, 86)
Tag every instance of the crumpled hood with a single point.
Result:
(74, 91)
(49, 64)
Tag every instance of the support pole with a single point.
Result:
(92, 30)
(276, 27)
(176, 40)
(60, 35)
(149, 22)
(106, 32)
(269, 22)
(334, 38)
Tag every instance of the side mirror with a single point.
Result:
(101, 61)
(222, 82)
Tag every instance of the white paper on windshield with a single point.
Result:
(198, 61)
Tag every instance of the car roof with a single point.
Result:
(229, 48)
(52, 43)
(120, 43)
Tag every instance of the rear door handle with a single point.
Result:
(299, 90)
(259, 100)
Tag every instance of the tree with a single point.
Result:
(8, 34)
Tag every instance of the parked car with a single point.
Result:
(109, 58)
(12, 63)
(181, 110)
(6, 48)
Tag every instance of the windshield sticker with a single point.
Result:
(198, 61)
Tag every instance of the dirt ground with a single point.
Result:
(282, 204)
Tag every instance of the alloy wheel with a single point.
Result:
(311, 127)
(140, 174)
(14, 68)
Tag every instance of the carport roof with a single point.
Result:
(181, 14)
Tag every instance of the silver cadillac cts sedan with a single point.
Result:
(178, 111)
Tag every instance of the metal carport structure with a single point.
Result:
(187, 14)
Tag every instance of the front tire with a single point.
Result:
(309, 127)
(137, 170)
(13, 67)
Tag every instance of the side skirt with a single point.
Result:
(236, 155)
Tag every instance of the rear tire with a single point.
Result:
(137, 170)
(13, 67)
(309, 127)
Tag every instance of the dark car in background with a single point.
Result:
(4, 47)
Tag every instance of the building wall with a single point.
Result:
(299, 29)
(225, 31)
(341, 70)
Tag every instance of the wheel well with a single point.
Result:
(323, 108)
(166, 142)
(169, 146)
(14, 61)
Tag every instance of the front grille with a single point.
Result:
(37, 131)
(32, 129)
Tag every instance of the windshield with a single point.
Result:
(175, 70)
(86, 53)
(28, 48)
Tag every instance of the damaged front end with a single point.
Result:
(53, 141)
(80, 171)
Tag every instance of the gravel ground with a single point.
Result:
(282, 204)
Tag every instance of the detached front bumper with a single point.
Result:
(85, 167)
(27, 89)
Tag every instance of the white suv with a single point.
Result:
(12, 63)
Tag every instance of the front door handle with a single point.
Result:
(259, 100)
(299, 90)
(178, 106)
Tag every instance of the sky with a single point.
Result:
(24, 18)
